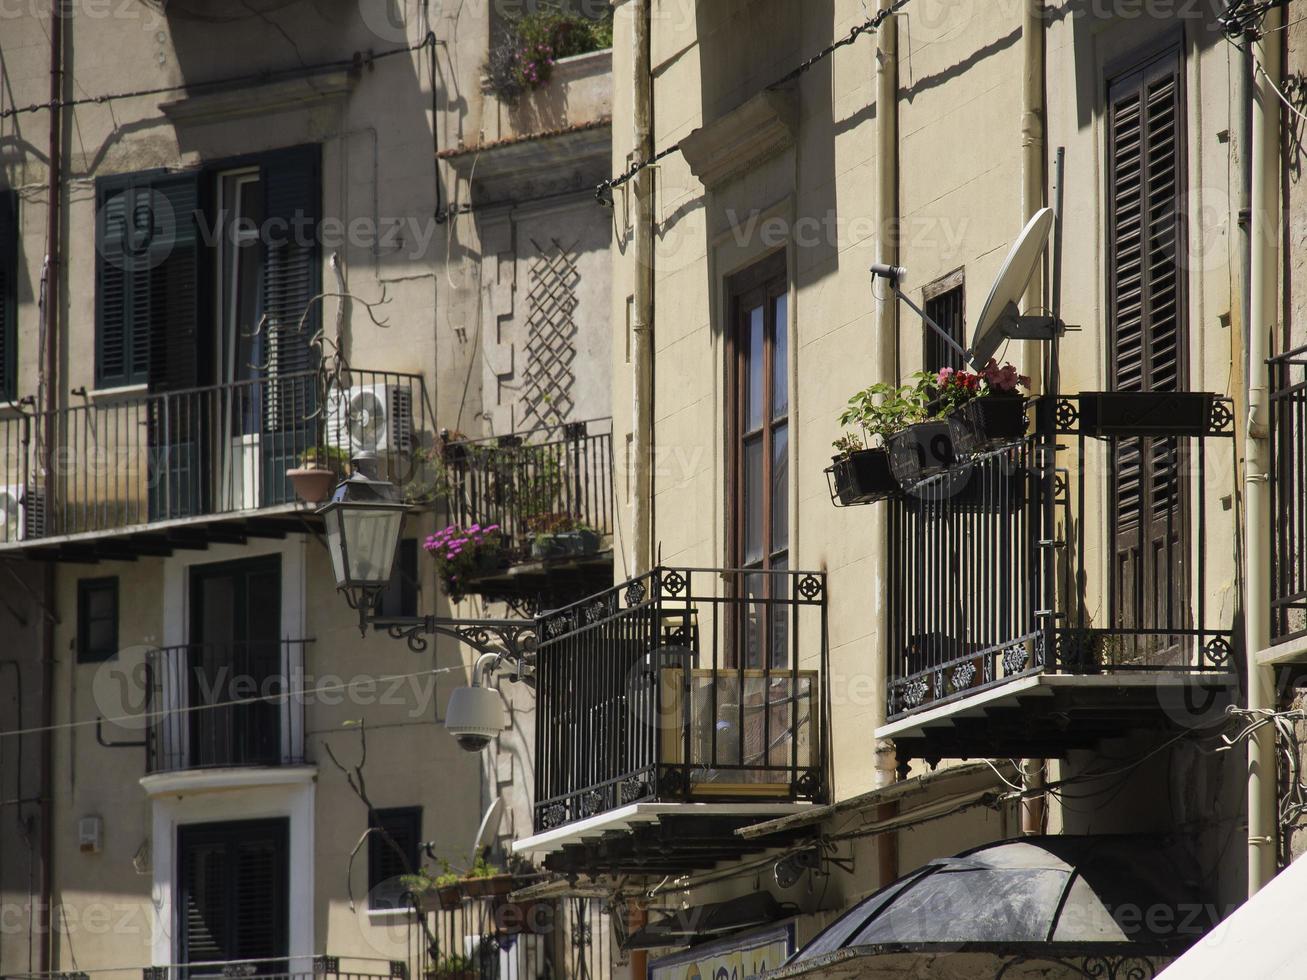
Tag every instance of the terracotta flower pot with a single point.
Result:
(313, 484)
(488, 887)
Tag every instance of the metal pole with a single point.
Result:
(643, 312)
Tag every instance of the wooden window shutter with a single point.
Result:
(388, 864)
(147, 280)
(292, 269)
(235, 893)
(1145, 228)
(8, 295)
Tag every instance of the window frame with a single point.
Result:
(376, 843)
(931, 342)
(86, 587)
(10, 243)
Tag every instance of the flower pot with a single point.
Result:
(862, 477)
(1146, 413)
(582, 543)
(921, 451)
(313, 484)
(488, 887)
(987, 423)
(548, 546)
(449, 897)
(451, 975)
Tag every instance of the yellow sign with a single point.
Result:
(748, 959)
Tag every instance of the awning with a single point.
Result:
(1264, 938)
(1061, 901)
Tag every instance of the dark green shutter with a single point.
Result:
(292, 277)
(147, 280)
(8, 295)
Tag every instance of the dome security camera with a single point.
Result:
(475, 716)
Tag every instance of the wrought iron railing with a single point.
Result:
(288, 968)
(555, 479)
(491, 938)
(682, 684)
(211, 705)
(214, 450)
(1289, 495)
(1027, 559)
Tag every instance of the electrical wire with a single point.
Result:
(253, 699)
(1276, 89)
(358, 61)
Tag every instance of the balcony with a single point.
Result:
(674, 709)
(214, 706)
(1051, 594)
(151, 473)
(1289, 497)
(550, 491)
(290, 968)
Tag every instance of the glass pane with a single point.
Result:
(780, 488)
(780, 364)
(753, 489)
(778, 651)
(753, 614)
(753, 372)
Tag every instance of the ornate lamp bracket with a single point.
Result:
(510, 639)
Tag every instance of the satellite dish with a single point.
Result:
(489, 827)
(1000, 316)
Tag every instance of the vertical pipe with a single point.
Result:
(642, 317)
(887, 368)
(51, 352)
(1032, 199)
(1263, 310)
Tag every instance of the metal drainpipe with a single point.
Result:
(1033, 172)
(54, 169)
(1263, 316)
(643, 313)
(886, 343)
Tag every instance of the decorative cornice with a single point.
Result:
(258, 100)
(743, 138)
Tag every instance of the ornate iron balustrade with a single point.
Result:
(209, 705)
(221, 449)
(682, 685)
(293, 968)
(1027, 559)
(554, 479)
(1289, 495)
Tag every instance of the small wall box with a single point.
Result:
(90, 834)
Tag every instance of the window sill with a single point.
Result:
(117, 394)
(384, 915)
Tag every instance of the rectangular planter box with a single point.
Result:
(862, 478)
(921, 451)
(987, 423)
(1146, 413)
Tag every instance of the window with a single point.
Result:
(758, 389)
(387, 863)
(944, 305)
(159, 258)
(233, 885)
(1148, 335)
(8, 295)
(400, 598)
(97, 620)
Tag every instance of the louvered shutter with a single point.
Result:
(1147, 330)
(8, 295)
(292, 193)
(235, 888)
(147, 280)
(387, 864)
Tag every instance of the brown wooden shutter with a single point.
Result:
(1147, 331)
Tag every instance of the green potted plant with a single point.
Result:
(860, 470)
(559, 535)
(995, 415)
(463, 555)
(452, 967)
(320, 469)
(486, 880)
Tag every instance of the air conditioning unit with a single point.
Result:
(371, 418)
(22, 513)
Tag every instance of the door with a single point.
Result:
(235, 655)
(233, 888)
(1148, 351)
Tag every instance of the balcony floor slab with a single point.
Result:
(189, 782)
(1049, 715)
(656, 838)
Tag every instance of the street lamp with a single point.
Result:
(363, 519)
